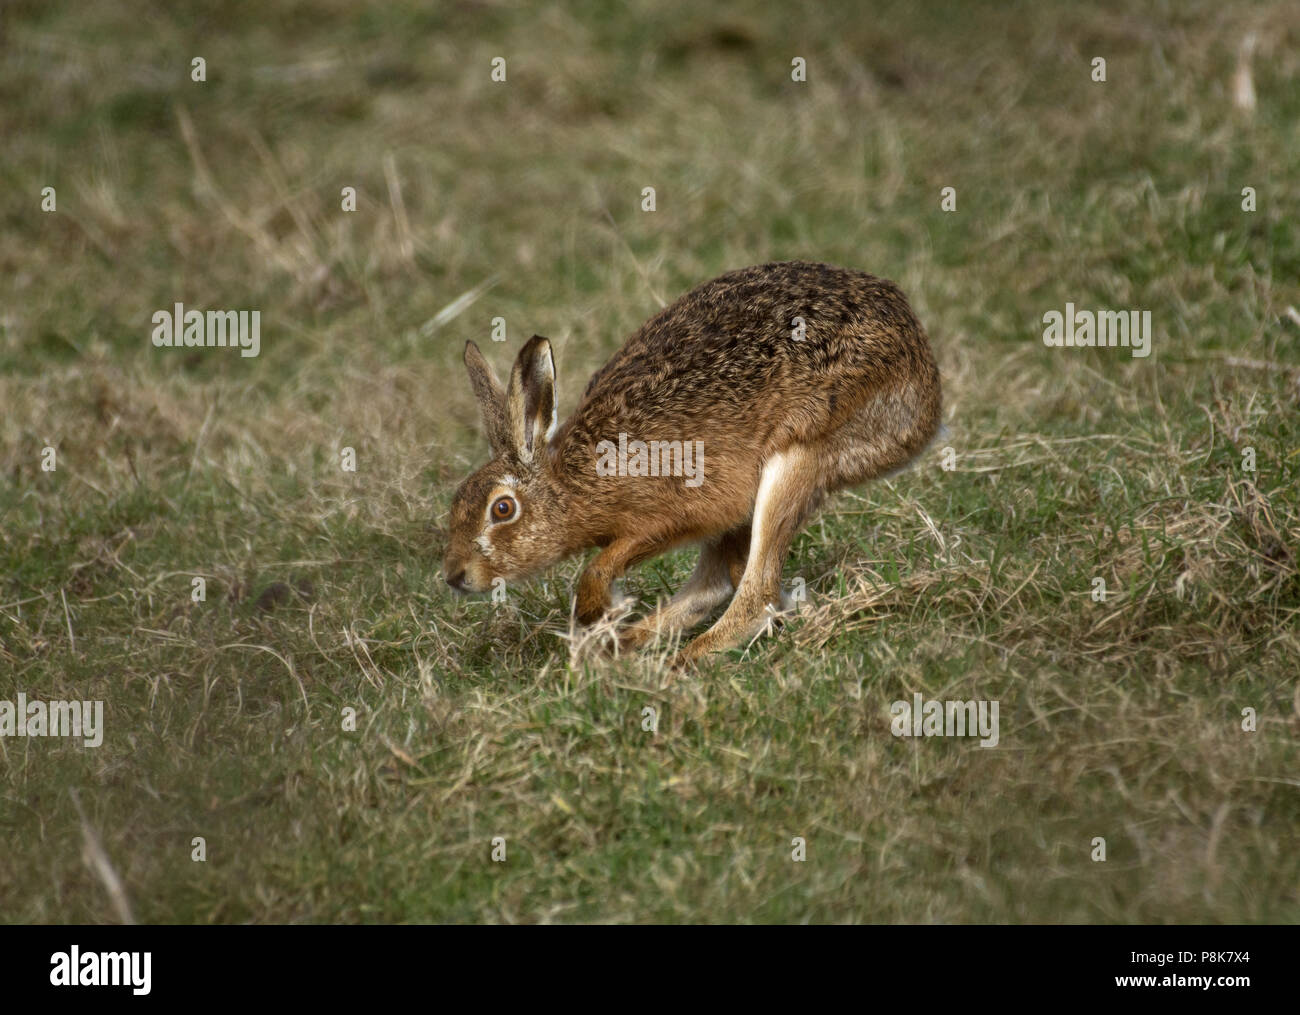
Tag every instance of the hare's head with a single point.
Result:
(508, 519)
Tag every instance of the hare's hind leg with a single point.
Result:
(787, 492)
(882, 438)
(716, 574)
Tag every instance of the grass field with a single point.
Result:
(522, 200)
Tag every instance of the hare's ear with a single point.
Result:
(530, 402)
(491, 399)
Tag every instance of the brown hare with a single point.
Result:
(722, 422)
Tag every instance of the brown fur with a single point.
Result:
(858, 397)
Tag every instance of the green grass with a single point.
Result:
(224, 718)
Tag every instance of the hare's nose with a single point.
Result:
(457, 580)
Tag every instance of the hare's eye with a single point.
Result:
(503, 509)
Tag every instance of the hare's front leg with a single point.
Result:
(716, 575)
(593, 597)
(786, 493)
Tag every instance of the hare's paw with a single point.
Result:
(590, 611)
(611, 606)
(643, 633)
(738, 626)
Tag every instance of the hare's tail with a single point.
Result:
(941, 435)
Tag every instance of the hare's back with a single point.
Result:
(734, 347)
